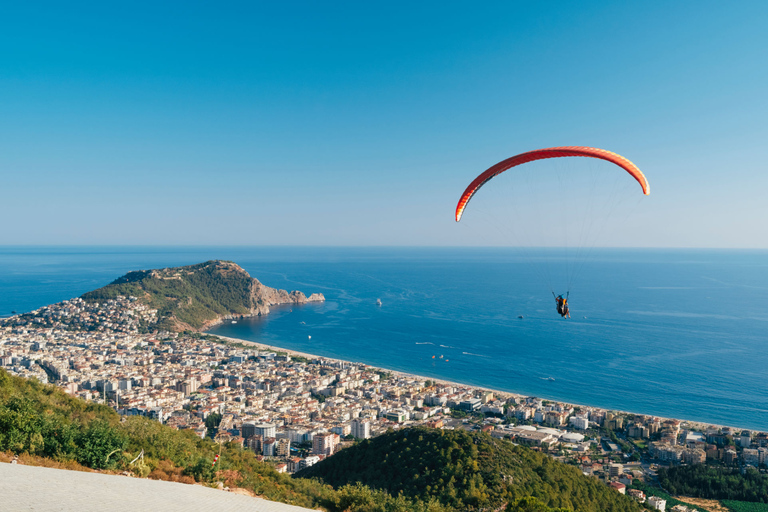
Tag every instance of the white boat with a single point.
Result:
(378, 302)
(234, 321)
(309, 337)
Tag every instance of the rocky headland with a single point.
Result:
(197, 297)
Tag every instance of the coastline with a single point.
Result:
(634, 349)
(315, 297)
(506, 394)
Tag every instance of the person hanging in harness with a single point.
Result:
(562, 305)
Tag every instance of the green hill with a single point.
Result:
(197, 296)
(465, 471)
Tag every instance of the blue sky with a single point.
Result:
(361, 123)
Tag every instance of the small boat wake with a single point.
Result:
(476, 355)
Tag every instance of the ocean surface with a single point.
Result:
(675, 333)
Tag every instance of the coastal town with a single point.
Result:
(294, 410)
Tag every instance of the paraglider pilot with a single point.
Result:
(562, 306)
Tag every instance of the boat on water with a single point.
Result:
(378, 302)
(309, 337)
(234, 321)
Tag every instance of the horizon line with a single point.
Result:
(348, 246)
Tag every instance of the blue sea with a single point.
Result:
(676, 333)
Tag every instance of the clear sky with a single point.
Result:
(360, 123)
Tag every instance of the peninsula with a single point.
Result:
(191, 298)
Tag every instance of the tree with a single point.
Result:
(100, 445)
(212, 423)
(531, 504)
(201, 470)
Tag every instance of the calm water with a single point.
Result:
(678, 333)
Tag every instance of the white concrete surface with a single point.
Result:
(29, 488)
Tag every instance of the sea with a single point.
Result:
(673, 333)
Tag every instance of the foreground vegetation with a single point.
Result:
(41, 421)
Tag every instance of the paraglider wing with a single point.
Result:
(541, 154)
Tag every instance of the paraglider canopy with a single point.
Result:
(557, 211)
(541, 154)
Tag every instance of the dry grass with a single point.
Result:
(711, 505)
(168, 472)
(34, 460)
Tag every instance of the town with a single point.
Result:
(294, 410)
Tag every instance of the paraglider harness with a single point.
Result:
(562, 304)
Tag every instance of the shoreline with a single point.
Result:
(262, 346)
(314, 297)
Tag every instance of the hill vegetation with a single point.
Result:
(40, 420)
(197, 296)
(715, 483)
(466, 471)
(743, 506)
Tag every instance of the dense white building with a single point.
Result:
(579, 422)
(361, 429)
(657, 503)
(265, 430)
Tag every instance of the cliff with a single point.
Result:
(197, 297)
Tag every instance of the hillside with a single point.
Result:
(45, 426)
(465, 471)
(196, 297)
